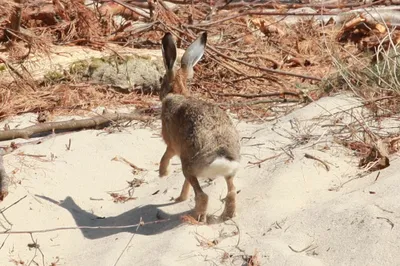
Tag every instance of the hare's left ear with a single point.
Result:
(169, 51)
(194, 52)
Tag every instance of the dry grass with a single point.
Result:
(239, 51)
(64, 99)
(7, 7)
(375, 78)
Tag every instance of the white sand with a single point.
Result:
(284, 202)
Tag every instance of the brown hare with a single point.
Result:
(200, 133)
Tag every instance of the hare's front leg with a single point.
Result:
(164, 163)
(230, 200)
(185, 192)
(200, 198)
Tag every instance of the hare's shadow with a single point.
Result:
(147, 213)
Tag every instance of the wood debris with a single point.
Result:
(118, 198)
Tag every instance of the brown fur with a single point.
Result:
(174, 82)
(198, 132)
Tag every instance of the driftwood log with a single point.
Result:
(70, 125)
(4, 180)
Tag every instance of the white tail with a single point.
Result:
(220, 167)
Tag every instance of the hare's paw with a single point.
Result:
(230, 206)
(3, 194)
(201, 207)
(163, 171)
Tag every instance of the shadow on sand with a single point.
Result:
(148, 213)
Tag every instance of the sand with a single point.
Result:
(291, 210)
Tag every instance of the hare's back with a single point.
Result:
(196, 117)
(199, 122)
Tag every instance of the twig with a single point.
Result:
(13, 146)
(91, 198)
(97, 121)
(387, 220)
(119, 158)
(273, 61)
(6, 208)
(377, 176)
(2, 244)
(288, 153)
(34, 255)
(82, 227)
(259, 95)
(32, 155)
(238, 242)
(308, 156)
(68, 146)
(308, 248)
(266, 159)
(130, 240)
(383, 209)
(36, 246)
(259, 102)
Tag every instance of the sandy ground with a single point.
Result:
(291, 210)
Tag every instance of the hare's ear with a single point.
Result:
(169, 51)
(194, 52)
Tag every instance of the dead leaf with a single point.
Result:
(267, 27)
(118, 198)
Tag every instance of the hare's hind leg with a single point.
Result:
(164, 163)
(230, 200)
(201, 199)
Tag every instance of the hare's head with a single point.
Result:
(174, 81)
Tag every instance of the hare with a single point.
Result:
(200, 133)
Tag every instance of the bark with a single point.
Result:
(4, 179)
(94, 122)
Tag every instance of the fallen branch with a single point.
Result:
(260, 95)
(133, 9)
(248, 103)
(94, 122)
(322, 5)
(4, 179)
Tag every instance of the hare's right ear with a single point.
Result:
(194, 52)
(168, 51)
